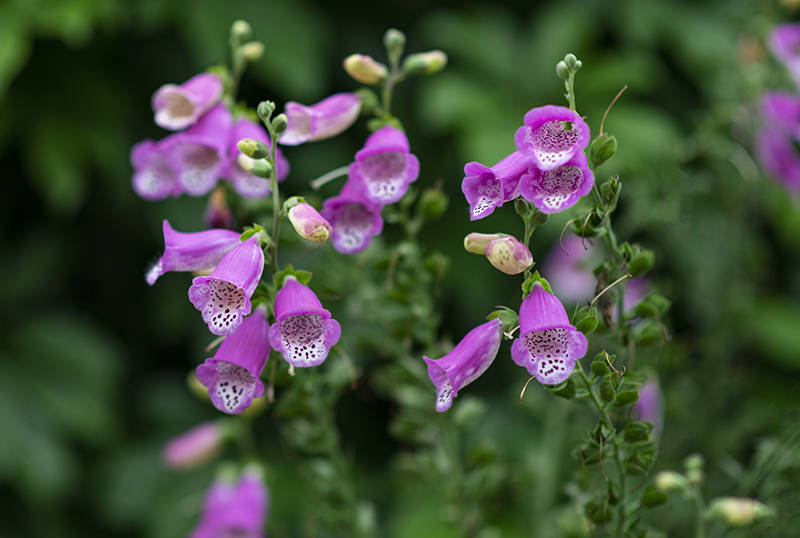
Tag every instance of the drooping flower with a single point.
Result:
(233, 375)
(309, 224)
(384, 166)
(195, 251)
(153, 175)
(178, 107)
(322, 120)
(548, 345)
(465, 363)
(199, 155)
(223, 297)
(245, 183)
(560, 187)
(194, 447)
(488, 188)
(649, 406)
(303, 331)
(354, 219)
(509, 255)
(235, 509)
(785, 44)
(777, 153)
(568, 269)
(551, 136)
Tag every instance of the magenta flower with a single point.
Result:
(465, 363)
(303, 331)
(323, 120)
(354, 219)
(195, 251)
(153, 176)
(384, 167)
(233, 375)
(199, 155)
(487, 188)
(509, 255)
(223, 297)
(194, 447)
(245, 183)
(178, 107)
(309, 224)
(649, 406)
(569, 273)
(548, 345)
(238, 509)
(785, 44)
(777, 153)
(551, 136)
(781, 111)
(558, 188)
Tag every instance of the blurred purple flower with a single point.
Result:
(235, 509)
(569, 273)
(649, 406)
(177, 107)
(560, 187)
(384, 166)
(551, 136)
(322, 120)
(785, 44)
(194, 447)
(245, 183)
(488, 188)
(354, 219)
(153, 175)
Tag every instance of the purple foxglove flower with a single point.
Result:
(649, 405)
(508, 255)
(354, 219)
(191, 251)
(384, 167)
(233, 375)
(569, 273)
(153, 176)
(224, 296)
(785, 44)
(778, 155)
(781, 110)
(465, 363)
(487, 188)
(199, 155)
(303, 331)
(309, 224)
(551, 136)
(548, 345)
(235, 509)
(325, 119)
(195, 447)
(178, 107)
(558, 188)
(245, 183)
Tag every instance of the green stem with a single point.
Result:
(700, 525)
(238, 64)
(329, 176)
(276, 209)
(393, 78)
(570, 85)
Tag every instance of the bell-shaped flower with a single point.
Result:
(235, 509)
(303, 331)
(223, 297)
(309, 224)
(233, 375)
(196, 251)
(354, 219)
(778, 154)
(487, 188)
(785, 44)
(384, 166)
(465, 363)
(322, 120)
(560, 187)
(245, 183)
(548, 345)
(153, 176)
(568, 268)
(178, 107)
(199, 155)
(509, 255)
(552, 135)
(194, 447)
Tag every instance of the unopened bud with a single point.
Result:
(508, 255)
(671, 482)
(395, 41)
(477, 242)
(265, 110)
(641, 263)
(562, 70)
(241, 30)
(255, 149)
(433, 203)
(257, 167)
(309, 224)
(195, 447)
(570, 61)
(738, 512)
(253, 51)
(602, 149)
(425, 63)
(279, 124)
(364, 69)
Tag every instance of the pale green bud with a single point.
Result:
(364, 69)
(562, 70)
(279, 124)
(253, 50)
(424, 63)
(671, 482)
(255, 149)
(241, 30)
(738, 512)
(477, 242)
(257, 167)
(395, 41)
(509, 255)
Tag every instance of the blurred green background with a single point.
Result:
(93, 362)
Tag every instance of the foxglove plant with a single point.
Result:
(384, 166)
(354, 218)
(488, 188)
(322, 120)
(235, 508)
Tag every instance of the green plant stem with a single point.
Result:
(246, 439)
(238, 64)
(388, 88)
(329, 176)
(570, 85)
(700, 524)
(276, 208)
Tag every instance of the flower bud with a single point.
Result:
(738, 512)
(395, 41)
(255, 149)
(433, 203)
(279, 124)
(257, 167)
(477, 242)
(309, 224)
(641, 263)
(253, 51)
(424, 63)
(671, 482)
(508, 255)
(195, 447)
(364, 69)
(265, 110)
(571, 61)
(562, 70)
(602, 149)
(241, 30)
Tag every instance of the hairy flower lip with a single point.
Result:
(535, 119)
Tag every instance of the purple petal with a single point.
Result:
(785, 44)
(178, 107)
(238, 509)
(153, 176)
(552, 135)
(355, 220)
(322, 120)
(194, 447)
(570, 273)
(558, 188)
(778, 155)
(384, 167)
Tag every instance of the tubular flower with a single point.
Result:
(178, 107)
(568, 269)
(195, 447)
(354, 219)
(303, 331)
(322, 120)
(223, 297)
(488, 188)
(233, 375)
(785, 44)
(781, 110)
(465, 363)
(245, 183)
(384, 166)
(551, 136)
(309, 224)
(153, 176)
(548, 345)
(235, 509)
(777, 154)
(560, 187)
(199, 155)
(508, 255)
